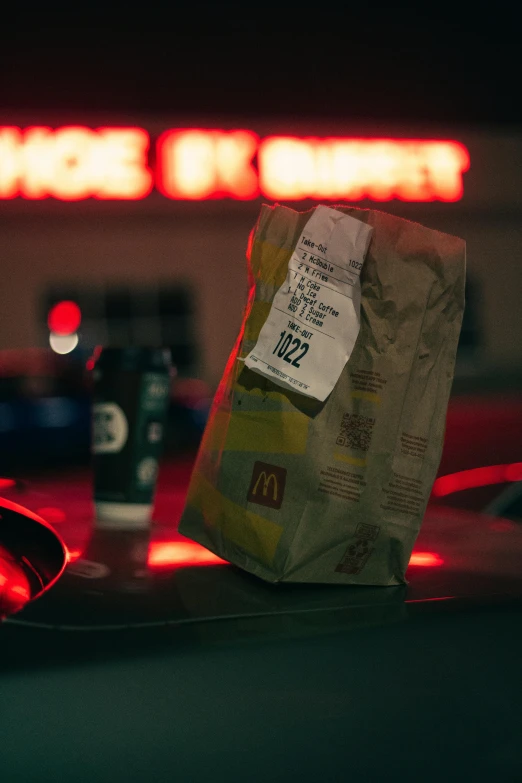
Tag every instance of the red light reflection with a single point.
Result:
(52, 514)
(170, 554)
(7, 483)
(477, 477)
(73, 554)
(15, 590)
(426, 559)
(181, 554)
(184, 554)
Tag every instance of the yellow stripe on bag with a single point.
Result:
(274, 432)
(278, 397)
(270, 262)
(360, 463)
(256, 318)
(216, 434)
(364, 395)
(253, 534)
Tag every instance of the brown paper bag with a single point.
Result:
(297, 490)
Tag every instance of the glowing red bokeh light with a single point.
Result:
(292, 168)
(52, 514)
(64, 318)
(181, 554)
(184, 554)
(72, 163)
(15, 590)
(91, 361)
(170, 554)
(477, 477)
(7, 483)
(199, 164)
(73, 554)
(426, 559)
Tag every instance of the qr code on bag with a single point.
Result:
(355, 432)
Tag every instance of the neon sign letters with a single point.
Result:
(75, 162)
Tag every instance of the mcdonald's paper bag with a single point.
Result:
(326, 430)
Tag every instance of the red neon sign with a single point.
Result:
(201, 164)
(73, 163)
(377, 169)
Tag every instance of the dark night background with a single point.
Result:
(380, 68)
(142, 665)
(361, 61)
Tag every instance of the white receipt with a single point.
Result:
(314, 320)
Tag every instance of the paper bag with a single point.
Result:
(297, 489)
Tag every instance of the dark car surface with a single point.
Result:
(150, 660)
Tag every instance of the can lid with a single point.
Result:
(135, 357)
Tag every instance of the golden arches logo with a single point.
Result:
(267, 485)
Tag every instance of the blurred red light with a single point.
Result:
(502, 526)
(64, 318)
(293, 168)
(514, 472)
(7, 483)
(426, 559)
(15, 589)
(73, 554)
(91, 361)
(477, 477)
(181, 553)
(52, 514)
(170, 554)
(74, 162)
(201, 164)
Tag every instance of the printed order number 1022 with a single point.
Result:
(286, 348)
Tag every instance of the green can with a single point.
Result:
(130, 403)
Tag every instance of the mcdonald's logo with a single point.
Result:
(267, 485)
